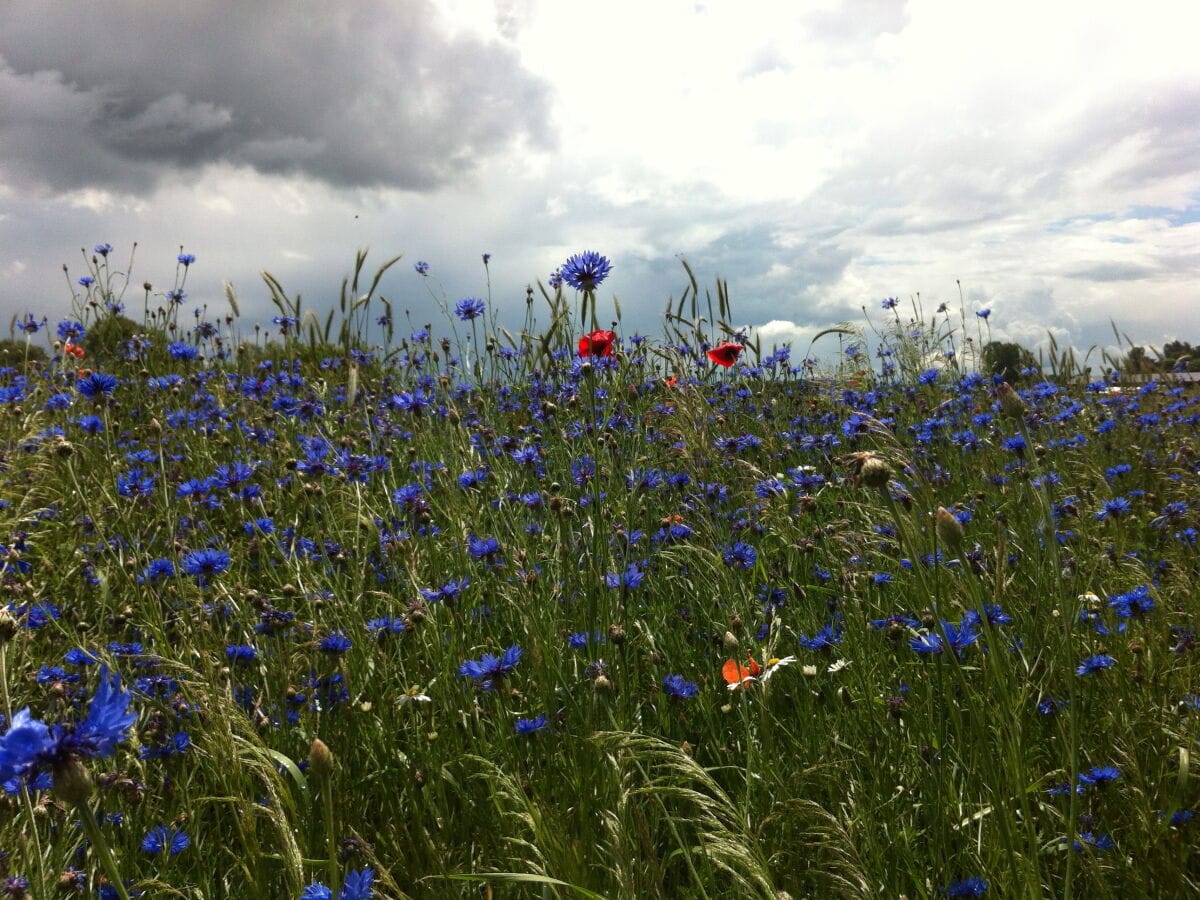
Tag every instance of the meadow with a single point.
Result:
(352, 606)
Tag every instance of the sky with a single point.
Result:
(1041, 160)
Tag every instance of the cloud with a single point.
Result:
(370, 94)
(1111, 271)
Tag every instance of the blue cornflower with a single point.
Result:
(994, 612)
(1118, 506)
(825, 639)
(30, 325)
(1134, 603)
(983, 313)
(86, 281)
(489, 669)
(335, 643)
(469, 308)
(203, 564)
(483, 549)
(102, 249)
(91, 424)
(241, 654)
(356, 886)
(739, 555)
(959, 637)
(186, 259)
(421, 268)
(630, 579)
(182, 350)
(890, 302)
(31, 747)
(1015, 444)
(159, 569)
(968, 887)
(530, 726)
(584, 271)
(1099, 775)
(679, 688)
(70, 330)
(1095, 664)
(385, 625)
(96, 384)
(1049, 706)
(163, 839)
(929, 376)
(1095, 841)
(448, 592)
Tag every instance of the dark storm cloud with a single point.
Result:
(1111, 271)
(365, 94)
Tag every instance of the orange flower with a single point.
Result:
(725, 354)
(738, 676)
(671, 382)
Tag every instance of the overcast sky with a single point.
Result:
(820, 156)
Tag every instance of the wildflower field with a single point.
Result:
(375, 608)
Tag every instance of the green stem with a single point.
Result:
(331, 864)
(100, 846)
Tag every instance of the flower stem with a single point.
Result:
(100, 846)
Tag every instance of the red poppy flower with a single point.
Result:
(598, 343)
(73, 350)
(725, 354)
(738, 676)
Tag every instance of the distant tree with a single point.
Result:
(1006, 359)
(117, 337)
(1179, 355)
(16, 353)
(1137, 362)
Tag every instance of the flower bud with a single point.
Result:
(729, 642)
(320, 759)
(1011, 403)
(8, 627)
(949, 529)
(72, 783)
(875, 472)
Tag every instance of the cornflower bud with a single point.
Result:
(320, 759)
(949, 529)
(1011, 403)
